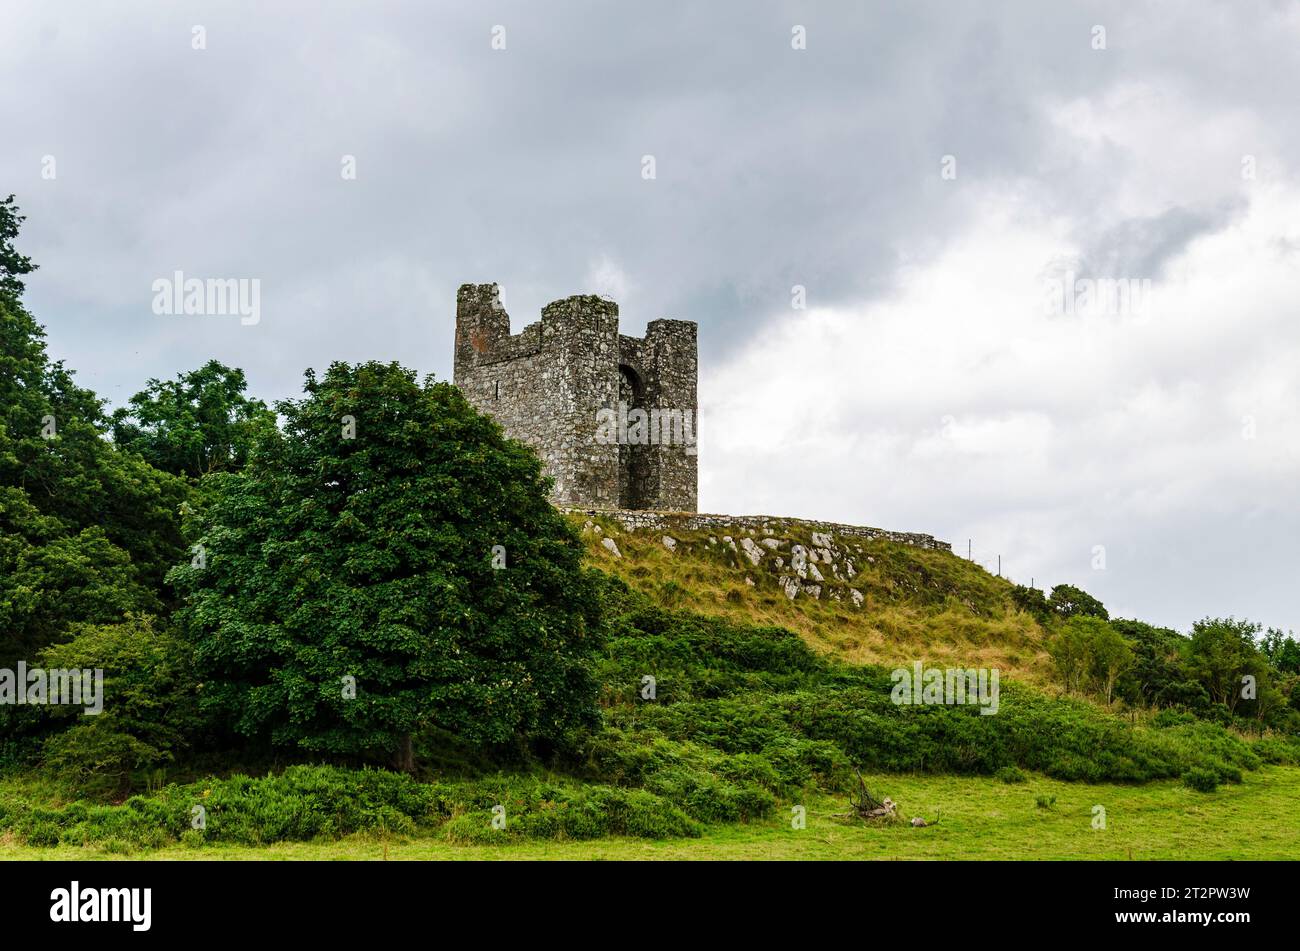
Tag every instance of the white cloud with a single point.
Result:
(606, 277)
(959, 407)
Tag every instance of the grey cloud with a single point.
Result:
(1141, 247)
(775, 167)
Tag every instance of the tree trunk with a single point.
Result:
(404, 758)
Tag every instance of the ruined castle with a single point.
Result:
(613, 417)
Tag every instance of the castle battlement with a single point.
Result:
(566, 383)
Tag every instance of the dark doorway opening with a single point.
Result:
(633, 458)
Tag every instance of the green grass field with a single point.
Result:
(978, 819)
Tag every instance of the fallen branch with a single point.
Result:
(864, 805)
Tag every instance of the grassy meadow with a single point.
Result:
(979, 819)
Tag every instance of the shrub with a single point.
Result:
(150, 713)
(1202, 780)
(1010, 775)
(303, 802)
(1278, 750)
(1033, 602)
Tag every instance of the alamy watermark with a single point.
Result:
(36, 686)
(1097, 297)
(953, 685)
(641, 427)
(78, 904)
(214, 297)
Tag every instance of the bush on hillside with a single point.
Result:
(390, 563)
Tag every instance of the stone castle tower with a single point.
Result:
(613, 417)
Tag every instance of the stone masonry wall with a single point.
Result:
(546, 385)
(759, 524)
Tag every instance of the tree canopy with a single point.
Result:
(389, 563)
(1069, 601)
(199, 423)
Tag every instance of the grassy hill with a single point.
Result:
(763, 704)
(917, 604)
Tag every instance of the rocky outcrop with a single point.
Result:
(822, 532)
(821, 555)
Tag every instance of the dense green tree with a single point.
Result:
(1069, 601)
(1157, 661)
(1111, 657)
(1071, 650)
(51, 579)
(392, 541)
(1223, 651)
(149, 711)
(1090, 655)
(1282, 651)
(199, 423)
(1032, 601)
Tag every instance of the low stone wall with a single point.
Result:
(764, 524)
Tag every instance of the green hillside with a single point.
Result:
(917, 604)
(745, 724)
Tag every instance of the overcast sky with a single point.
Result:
(924, 170)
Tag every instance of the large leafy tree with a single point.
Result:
(1112, 656)
(1069, 601)
(1221, 653)
(52, 578)
(392, 542)
(1282, 650)
(1071, 649)
(199, 423)
(1157, 661)
(86, 532)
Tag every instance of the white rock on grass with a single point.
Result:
(857, 597)
(817, 575)
(670, 543)
(821, 539)
(815, 590)
(789, 585)
(752, 551)
(772, 543)
(799, 561)
(613, 548)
